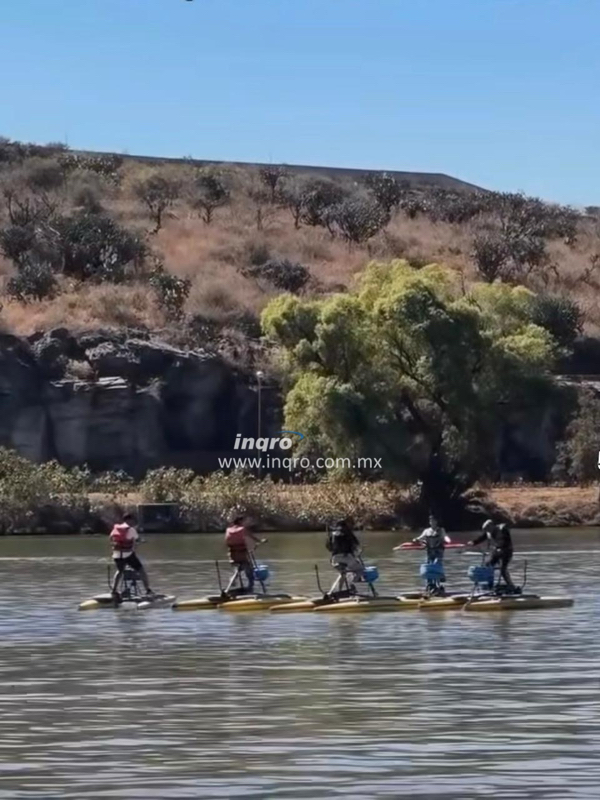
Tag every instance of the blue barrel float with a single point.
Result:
(261, 573)
(432, 571)
(481, 574)
(371, 574)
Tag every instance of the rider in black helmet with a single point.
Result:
(344, 547)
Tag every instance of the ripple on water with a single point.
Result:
(163, 705)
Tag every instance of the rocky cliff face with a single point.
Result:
(139, 403)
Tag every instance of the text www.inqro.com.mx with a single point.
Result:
(276, 462)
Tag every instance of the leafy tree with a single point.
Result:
(25, 206)
(16, 242)
(358, 218)
(319, 195)
(27, 242)
(490, 254)
(577, 457)
(291, 196)
(386, 190)
(35, 280)
(209, 193)
(409, 370)
(26, 488)
(158, 191)
(94, 246)
(560, 316)
(262, 204)
(521, 217)
(172, 291)
(271, 175)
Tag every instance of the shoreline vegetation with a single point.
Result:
(51, 499)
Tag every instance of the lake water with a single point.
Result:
(116, 704)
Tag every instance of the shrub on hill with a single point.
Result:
(281, 273)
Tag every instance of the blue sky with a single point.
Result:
(503, 93)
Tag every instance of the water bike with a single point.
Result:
(348, 600)
(489, 596)
(237, 596)
(130, 596)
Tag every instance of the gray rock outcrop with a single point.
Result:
(140, 403)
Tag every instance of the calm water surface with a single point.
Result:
(213, 705)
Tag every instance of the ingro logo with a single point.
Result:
(283, 441)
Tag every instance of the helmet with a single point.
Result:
(488, 525)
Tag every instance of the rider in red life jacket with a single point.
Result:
(241, 541)
(123, 538)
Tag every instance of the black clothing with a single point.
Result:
(501, 552)
(342, 542)
(499, 538)
(501, 559)
(131, 561)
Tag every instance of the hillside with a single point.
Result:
(233, 235)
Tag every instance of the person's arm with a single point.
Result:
(481, 538)
(255, 538)
(420, 538)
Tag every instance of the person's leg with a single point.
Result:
(134, 562)
(116, 581)
(506, 559)
(355, 568)
(339, 563)
(493, 561)
(249, 572)
(235, 578)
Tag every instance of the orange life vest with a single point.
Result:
(119, 538)
(235, 537)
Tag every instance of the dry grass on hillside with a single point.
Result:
(211, 256)
(105, 306)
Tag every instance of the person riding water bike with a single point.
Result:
(241, 541)
(345, 549)
(501, 549)
(123, 538)
(435, 540)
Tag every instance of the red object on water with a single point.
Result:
(417, 546)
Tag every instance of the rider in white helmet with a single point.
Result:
(501, 548)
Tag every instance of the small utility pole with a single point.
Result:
(259, 377)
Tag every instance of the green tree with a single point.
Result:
(358, 218)
(386, 190)
(579, 452)
(158, 191)
(271, 175)
(209, 192)
(409, 370)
